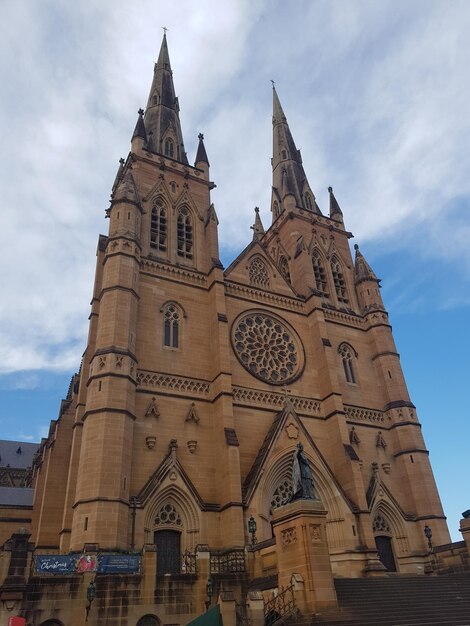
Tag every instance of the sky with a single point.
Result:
(377, 97)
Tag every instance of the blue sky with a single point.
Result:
(377, 97)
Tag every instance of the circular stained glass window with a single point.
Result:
(267, 347)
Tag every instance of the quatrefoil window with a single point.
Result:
(267, 347)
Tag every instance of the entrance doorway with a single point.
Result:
(168, 551)
(384, 548)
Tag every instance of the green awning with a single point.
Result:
(212, 617)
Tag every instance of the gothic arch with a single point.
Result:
(396, 528)
(173, 314)
(184, 505)
(339, 280)
(159, 220)
(329, 494)
(319, 272)
(348, 356)
(148, 620)
(185, 232)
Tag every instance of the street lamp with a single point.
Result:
(428, 533)
(90, 596)
(209, 592)
(252, 529)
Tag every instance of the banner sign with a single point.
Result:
(55, 564)
(119, 564)
(77, 564)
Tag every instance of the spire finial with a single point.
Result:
(273, 83)
(165, 29)
(201, 136)
(140, 112)
(356, 247)
(330, 189)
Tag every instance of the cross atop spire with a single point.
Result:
(161, 117)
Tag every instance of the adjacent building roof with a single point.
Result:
(17, 454)
(16, 496)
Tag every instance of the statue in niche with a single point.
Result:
(302, 478)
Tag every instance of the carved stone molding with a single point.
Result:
(178, 273)
(253, 294)
(288, 536)
(343, 317)
(359, 414)
(272, 400)
(166, 382)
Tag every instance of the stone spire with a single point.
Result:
(126, 190)
(290, 184)
(335, 211)
(162, 122)
(258, 228)
(201, 154)
(139, 130)
(362, 269)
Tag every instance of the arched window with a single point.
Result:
(169, 147)
(319, 274)
(308, 202)
(171, 326)
(148, 620)
(347, 355)
(284, 267)
(168, 516)
(338, 280)
(158, 226)
(185, 234)
(258, 273)
(275, 210)
(283, 155)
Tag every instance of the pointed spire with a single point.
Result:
(335, 211)
(258, 228)
(289, 177)
(119, 173)
(126, 190)
(201, 154)
(362, 269)
(162, 114)
(139, 130)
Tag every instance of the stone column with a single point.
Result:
(465, 530)
(302, 548)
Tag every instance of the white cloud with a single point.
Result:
(376, 95)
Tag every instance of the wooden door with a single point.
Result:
(168, 551)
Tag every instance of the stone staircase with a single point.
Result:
(398, 601)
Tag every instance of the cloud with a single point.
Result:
(376, 95)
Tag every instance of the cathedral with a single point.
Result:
(165, 487)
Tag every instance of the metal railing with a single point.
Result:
(227, 562)
(188, 562)
(280, 606)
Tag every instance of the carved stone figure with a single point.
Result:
(302, 479)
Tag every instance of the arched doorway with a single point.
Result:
(383, 542)
(148, 620)
(168, 544)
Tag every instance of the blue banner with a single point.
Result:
(55, 564)
(119, 564)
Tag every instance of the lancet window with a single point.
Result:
(185, 234)
(284, 267)
(158, 226)
(171, 326)
(258, 273)
(346, 353)
(308, 202)
(275, 210)
(319, 274)
(169, 147)
(338, 280)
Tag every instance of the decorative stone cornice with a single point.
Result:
(276, 401)
(258, 295)
(165, 270)
(173, 384)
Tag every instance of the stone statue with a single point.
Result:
(302, 479)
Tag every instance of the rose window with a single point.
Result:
(267, 348)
